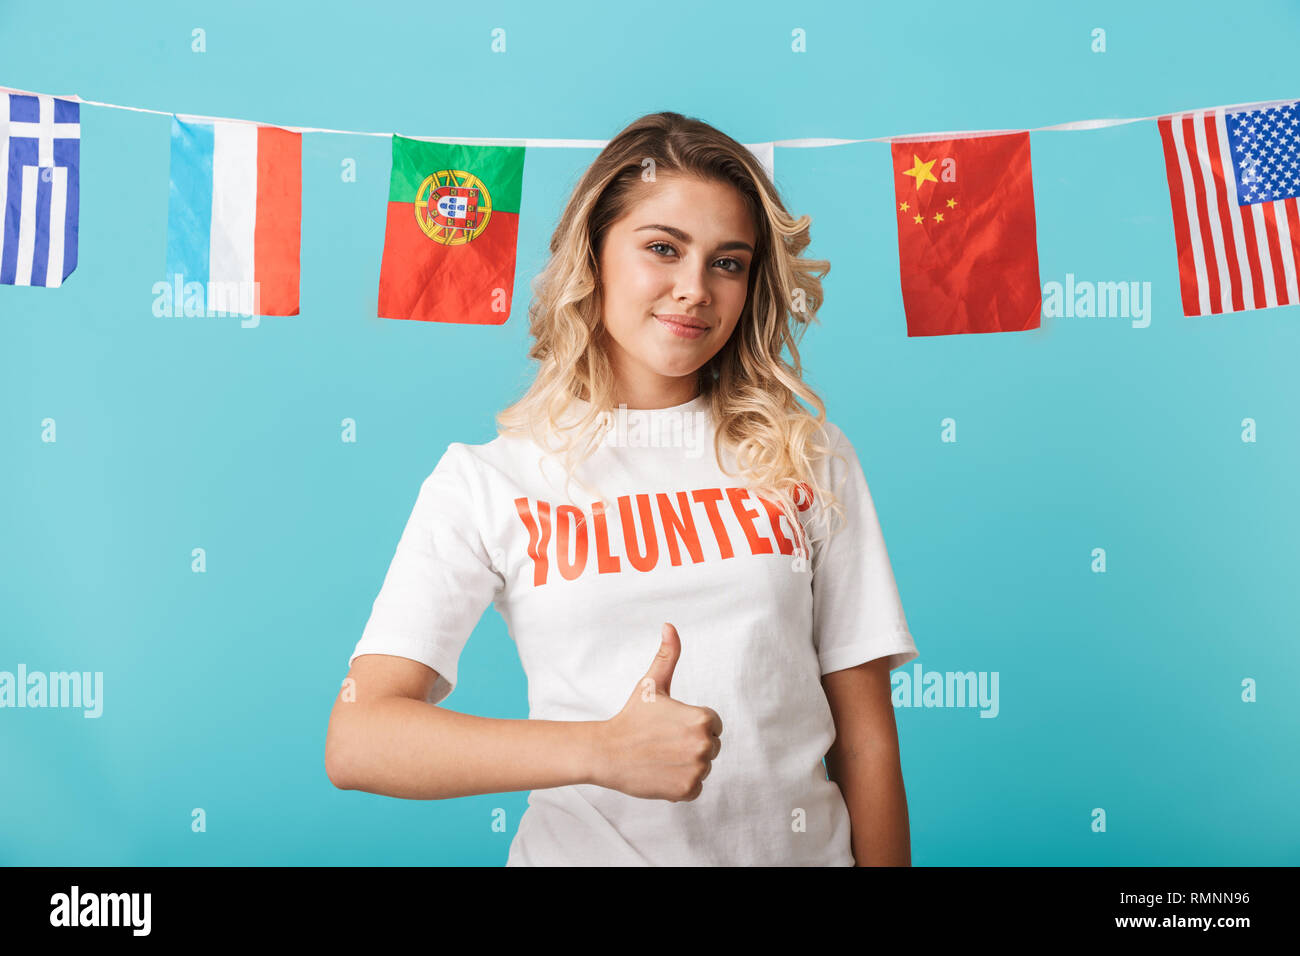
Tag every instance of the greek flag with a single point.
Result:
(40, 147)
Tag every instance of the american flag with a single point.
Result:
(1234, 174)
(40, 149)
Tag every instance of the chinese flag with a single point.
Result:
(967, 250)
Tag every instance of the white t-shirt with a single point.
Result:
(584, 592)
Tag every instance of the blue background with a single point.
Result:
(1118, 690)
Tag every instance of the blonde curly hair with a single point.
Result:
(751, 388)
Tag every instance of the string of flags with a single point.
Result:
(967, 239)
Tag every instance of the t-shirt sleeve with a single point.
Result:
(441, 578)
(857, 613)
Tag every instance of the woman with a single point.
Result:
(682, 589)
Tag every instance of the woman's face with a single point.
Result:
(680, 258)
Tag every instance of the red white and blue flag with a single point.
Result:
(40, 159)
(234, 213)
(1234, 175)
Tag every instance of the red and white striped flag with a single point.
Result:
(1234, 174)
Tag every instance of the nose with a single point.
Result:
(691, 283)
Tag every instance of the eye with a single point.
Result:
(736, 264)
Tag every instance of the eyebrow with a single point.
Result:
(683, 237)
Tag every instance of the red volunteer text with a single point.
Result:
(674, 531)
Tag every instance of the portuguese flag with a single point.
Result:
(449, 245)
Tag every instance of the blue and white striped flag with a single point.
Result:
(40, 149)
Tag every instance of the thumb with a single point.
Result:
(661, 669)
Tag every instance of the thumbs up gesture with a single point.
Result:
(657, 747)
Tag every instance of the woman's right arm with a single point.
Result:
(384, 737)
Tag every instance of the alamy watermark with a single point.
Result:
(1085, 300)
(922, 688)
(82, 689)
(656, 428)
(76, 908)
(179, 299)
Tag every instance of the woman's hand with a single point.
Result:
(657, 747)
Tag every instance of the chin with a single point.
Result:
(679, 371)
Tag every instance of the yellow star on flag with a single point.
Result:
(938, 217)
(951, 203)
(918, 219)
(921, 171)
(902, 207)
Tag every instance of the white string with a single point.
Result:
(1073, 126)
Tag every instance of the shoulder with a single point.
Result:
(458, 485)
(833, 433)
(840, 464)
(472, 461)
(835, 442)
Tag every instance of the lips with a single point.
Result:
(675, 325)
(690, 321)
